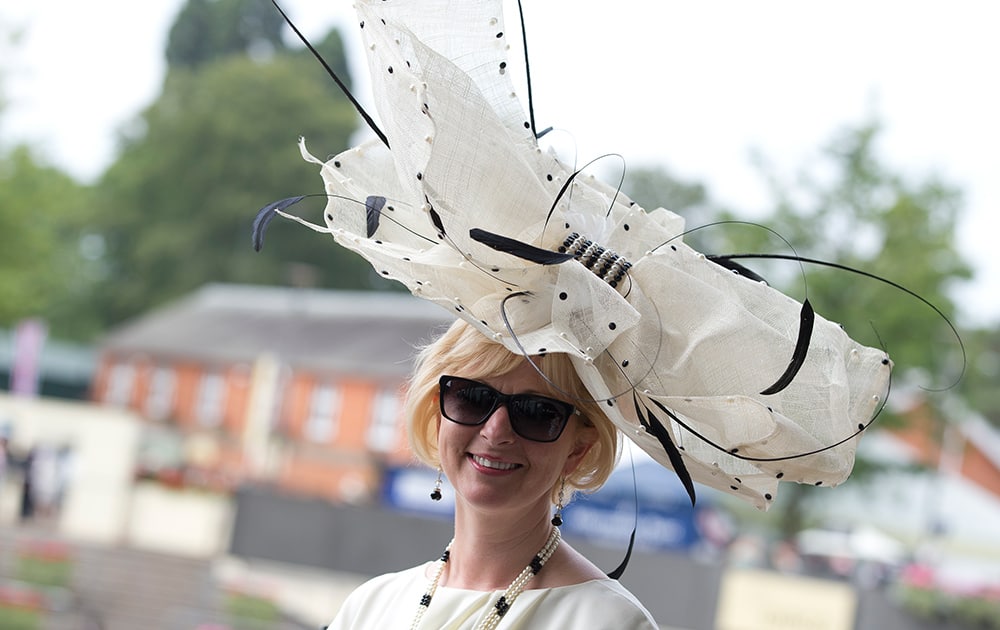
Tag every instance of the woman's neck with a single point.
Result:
(489, 552)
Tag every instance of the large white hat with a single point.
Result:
(716, 375)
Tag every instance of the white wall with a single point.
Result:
(104, 442)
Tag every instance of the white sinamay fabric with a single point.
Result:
(679, 329)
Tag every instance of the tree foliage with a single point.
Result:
(206, 30)
(209, 30)
(43, 269)
(219, 143)
(175, 208)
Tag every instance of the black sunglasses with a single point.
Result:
(533, 417)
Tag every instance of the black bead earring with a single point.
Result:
(436, 493)
(557, 519)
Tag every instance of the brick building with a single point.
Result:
(294, 387)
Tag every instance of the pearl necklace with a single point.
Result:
(503, 604)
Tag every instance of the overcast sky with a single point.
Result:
(692, 85)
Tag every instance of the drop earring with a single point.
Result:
(557, 519)
(436, 493)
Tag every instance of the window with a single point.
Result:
(211, 393)
(160, 399)
(120, 383)
(383, 431)
(324, 410)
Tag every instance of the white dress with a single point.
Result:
(390, 602)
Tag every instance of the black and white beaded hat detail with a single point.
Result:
(716, 375)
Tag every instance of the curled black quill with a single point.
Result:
(373, 213)
(806, 320)
(264, 217)
(653, 425)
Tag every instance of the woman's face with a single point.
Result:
(495, 470)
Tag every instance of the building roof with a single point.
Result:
(370, 333)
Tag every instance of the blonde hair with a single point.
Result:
(464, 351)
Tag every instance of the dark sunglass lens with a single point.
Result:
(538, 418)
(467, 402)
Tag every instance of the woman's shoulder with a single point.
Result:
(597, 603)
(392, 583)
(377, 595)
(603, 591)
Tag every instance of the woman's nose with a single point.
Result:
(497, 427)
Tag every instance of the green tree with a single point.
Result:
(43, 269)
(206, 30)
(209, 30)
(219, 143)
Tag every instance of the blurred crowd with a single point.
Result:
(40, 474)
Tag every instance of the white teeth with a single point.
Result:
(488, 463)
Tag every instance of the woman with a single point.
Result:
(565, 289)
(508, 468)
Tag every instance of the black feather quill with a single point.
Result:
(732, 265)
(618, 571)
(519, 249)
(653, 425)
(373, 208)
(264, 217)
(806, 320)
(438, 223)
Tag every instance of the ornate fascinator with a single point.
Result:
(715, 374)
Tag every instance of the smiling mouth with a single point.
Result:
(493, 465)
